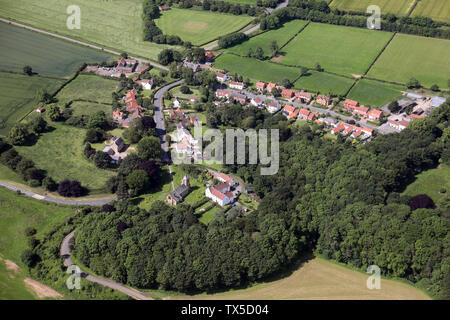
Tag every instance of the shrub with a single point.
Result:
(30, 231)
(49, 184)
(69, 188)
(108, 208)
(421, 201)
(29, 258)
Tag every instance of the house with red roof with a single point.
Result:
(305, 114)
(287, 93)
(221, 77)
(164, 8)
(374, 115)
(350, 104)
(236, 85)
(303, 96)
(126, 65)
(290, 111)
(256, 102)
(323, 100)
(360, 110)
(270, 86)
(260, 86)
(209, 56)
(399, 124)
(220, 93)
(220, 194)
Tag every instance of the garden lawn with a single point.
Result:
(438, 10)
(60, 152)
(88, 88)
(256, 69)
(209, 215)
(46, 55)
(430, 182)
(400, 7)
(374, 93)
(199, 27)
(338, 49)
(324, 83)
(407, 56)
(281, 36)
(18, 96)
(111, 24)
(19, 212)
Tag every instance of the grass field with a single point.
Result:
(400, 7)
(324, 83)
(317, 279)
(255, 69)
(46, 55)
(438, 10)
(12, 286)
(18, 96)
(112, 24)
(338, 49)
(430, 183)
(19, 212)
(374, 93)
(407, 56)
(281, 36)
(199, 27)
(209, 215)
(88, 87)
(60, 152)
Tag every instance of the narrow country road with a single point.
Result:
(159, 118)
(55, 200)
(65, 254)
(85, 44)
(256, 27)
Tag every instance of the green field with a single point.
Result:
(18, 96)
(111, 24)
(199, 27)
(12, 286)
(430, 182)
(374, 93)
(407, 56)
(88, 87)
(255, 69)
(46, 55)
(60, 152)
(400, 7)
(438, 10)
(338, 49)
(281, 36)
(324, 83)
(19, 212)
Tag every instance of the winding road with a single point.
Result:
(65, 254)
(57, 200)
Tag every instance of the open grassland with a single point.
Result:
(430, 182)
(281, 36)
(438, 10)
(81, 108)
(255, 69)
(338, 49)
(374, 93)
(12, 286)
(324, 83)
(88, 87)
(400, 7)
(318, 279)
(20, 212)
(60, 152)
(112, 24)
(199, 27)
(18, 96)
(407, 56)
(46, 55)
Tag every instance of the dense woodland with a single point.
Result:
(340, 200)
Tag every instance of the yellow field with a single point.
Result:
(319, 279)
(400, 7)
(438, 10)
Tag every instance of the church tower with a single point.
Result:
(186, 182)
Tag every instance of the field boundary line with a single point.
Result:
(295, 36)
(411, 9)
(379, 54)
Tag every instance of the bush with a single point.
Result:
(30, 231)
(108, 208)
(69, 188)
(29, 258)
(34, 183)
(421, 201)
(102, 160)
(49, 184)
(443, 190)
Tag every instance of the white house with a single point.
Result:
(236, 85)
(220, 194)
(147, 84)
(221, 77)
(273, 106)
(256, 102)
(176, 103)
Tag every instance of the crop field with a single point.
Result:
(317, 279)
(281, 36)
(400, 7)
(60, 152)
(374, 93)
(430, 182)
(47, 56)
(111, 24)
(255, 69)
(18, 96)
(337, 49)
(199, 27)
(88, 87)
(324, 83)
(407, 56)
(438, 10)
